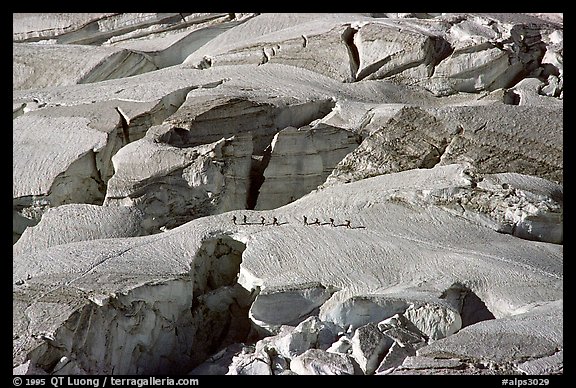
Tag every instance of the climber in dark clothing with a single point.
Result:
(305, 220)
(275, 221)
(244, 218)
(348, 224)
(332, 222)
(262, 219)
(234, 220)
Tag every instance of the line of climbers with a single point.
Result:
(275, 222)
(262, 221)
(331, 223)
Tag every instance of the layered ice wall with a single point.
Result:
(127, 325)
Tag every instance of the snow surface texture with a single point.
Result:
(280, 194)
